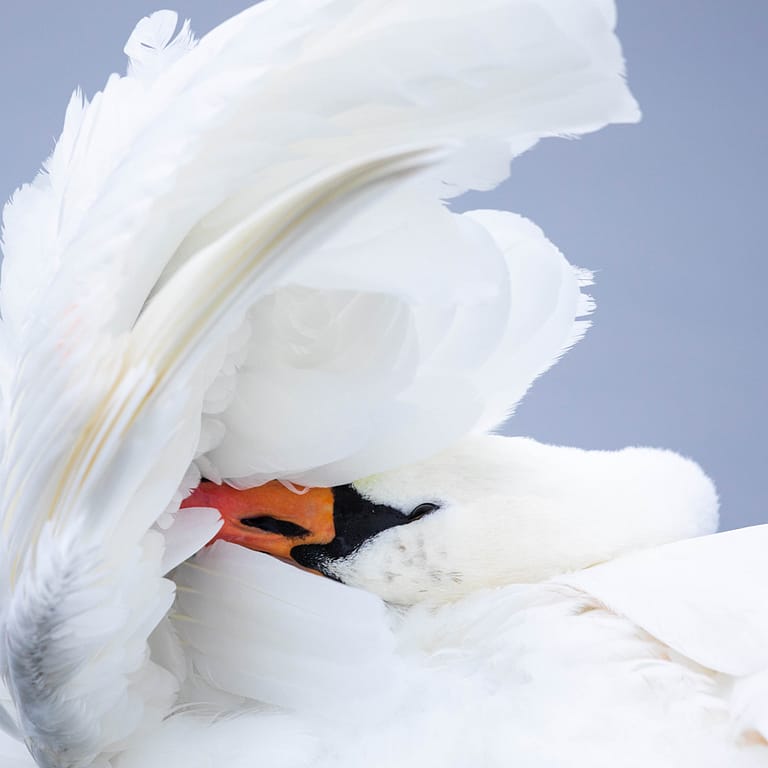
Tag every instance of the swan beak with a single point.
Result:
(270, 518)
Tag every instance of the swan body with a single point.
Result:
(643, 647)
(239, 264)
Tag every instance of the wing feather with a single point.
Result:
(702, 597)
(180, 197)
(261, 629)
(150, 169)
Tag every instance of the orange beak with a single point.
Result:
(270, 518)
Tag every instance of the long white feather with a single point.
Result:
(263, 630)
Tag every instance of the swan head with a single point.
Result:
(488, 512)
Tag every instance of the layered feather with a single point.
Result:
(374, 352)
(704, 603)
(261, 630)
(155, 169)
(171, 222)
(78, 514)
(543, 674)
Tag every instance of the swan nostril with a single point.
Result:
(273, 525)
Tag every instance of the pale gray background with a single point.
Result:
(670, 213)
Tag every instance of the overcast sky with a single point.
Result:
(670, 213)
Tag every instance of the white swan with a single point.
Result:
(237, 262)
(550, 612)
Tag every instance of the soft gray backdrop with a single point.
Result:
(670, 213)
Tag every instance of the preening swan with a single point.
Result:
(238, 264)
(549, 607)
(489, 511)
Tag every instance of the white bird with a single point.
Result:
(238, 263)
(545, 612)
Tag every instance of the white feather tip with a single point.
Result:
(154, 44)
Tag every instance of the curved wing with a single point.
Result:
(183, 195)
(166, 161)
(98, 439)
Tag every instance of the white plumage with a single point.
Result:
(655, 657)
(238, 262)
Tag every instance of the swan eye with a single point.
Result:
(421, 510)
